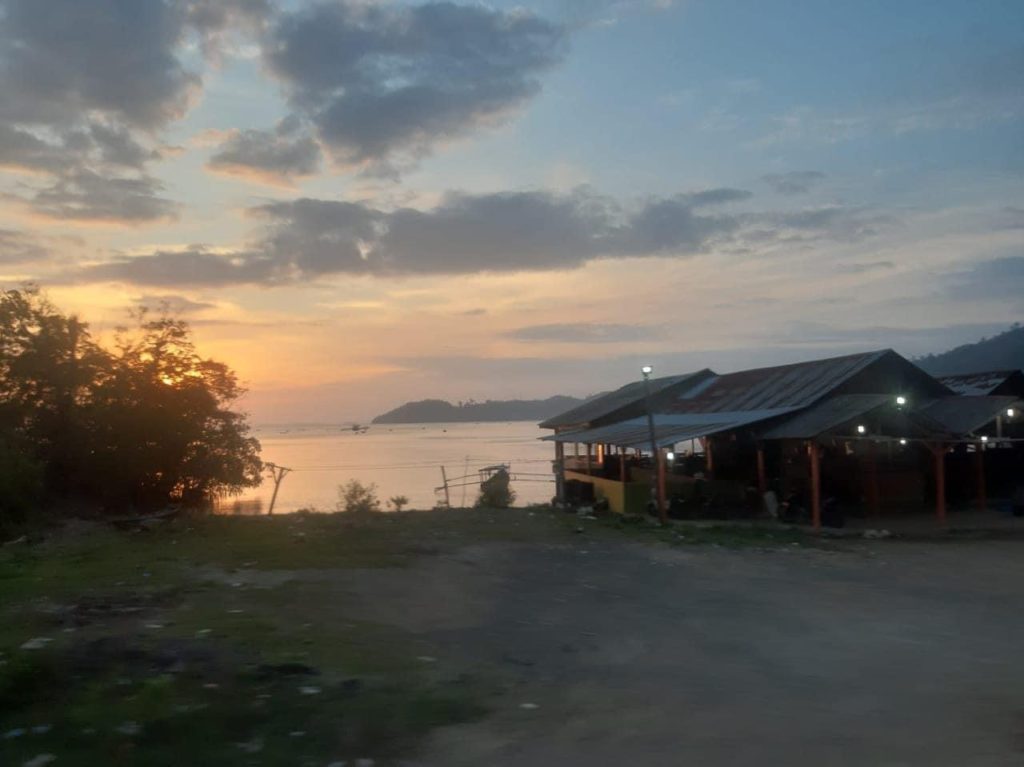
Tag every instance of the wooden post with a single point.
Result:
(278, 473)
(940, 482)
(447, 497)
(662, 511)
(873, 478)
(588, 458)
(762, 479)
(622, 466)
(560, 471)
(979, 464)
(813, 454)
(709, 458)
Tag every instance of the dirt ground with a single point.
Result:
(618, 653)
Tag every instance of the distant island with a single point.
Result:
(440, 411)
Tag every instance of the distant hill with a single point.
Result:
(1002, 352)
(439, 411)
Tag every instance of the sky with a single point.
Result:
(361, 202)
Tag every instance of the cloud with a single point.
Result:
(832, 222)
(275, 157)
(305, 239)
(866, 266)
(794, 182)
(83, 195)
(20, 248)
(585, 333)
(175, 304)
(87, 85)
(992, 279)
(384, 85)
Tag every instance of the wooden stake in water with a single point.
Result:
(278, 473)
(447, 499)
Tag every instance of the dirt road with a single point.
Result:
(618, 653)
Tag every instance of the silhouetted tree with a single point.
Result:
(146, 423)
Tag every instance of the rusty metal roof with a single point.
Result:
(622, 398)
(787, 386)
(827, 415)
(669, 429)
(978, 384)
(962, 415)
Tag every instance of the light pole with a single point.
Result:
(655, 454)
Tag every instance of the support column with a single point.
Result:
(815, 460)
(622, 465)
(560, 471)
(873, 478)
(940, 482)
(662, 510)
(762, 478)
(979, 466)
(588, 458)
(709, 457)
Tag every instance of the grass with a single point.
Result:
(231, 641)
(228, 641)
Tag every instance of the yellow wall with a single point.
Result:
(623, 498)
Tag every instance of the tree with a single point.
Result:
(356, 497)
(147, 423)
(166, 421)
(398, 502)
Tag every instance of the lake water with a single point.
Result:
(400, 460)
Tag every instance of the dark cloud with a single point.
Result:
(278, 156)
(196, 266)
(173, 303)
(385, 84)
(793, 183)
(87, 85)
(20, 248)
(63, 58)
(464, 234)
(83, 195)
(585, 333)
(833, 222)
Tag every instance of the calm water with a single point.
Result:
(401, 460)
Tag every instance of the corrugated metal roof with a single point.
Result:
(977, 384)
(669, 429)
(827, 415)
(786, 386)
(960, 415)
(607, 404)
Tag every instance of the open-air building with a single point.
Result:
(866, 434)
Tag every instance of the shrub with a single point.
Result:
(354, 496)
(495, 492)
(21, 484)
(398, 501)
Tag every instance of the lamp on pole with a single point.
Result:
(655, 454)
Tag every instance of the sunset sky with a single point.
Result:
(359, 203)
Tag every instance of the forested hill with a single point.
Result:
(439, 411)
(1002, 352)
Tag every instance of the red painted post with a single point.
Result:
(873, 478)
(979, 463)
(940, 482)
(662, 511)
(812, 451)
(762, 479)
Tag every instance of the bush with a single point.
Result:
(21, 484)
(354, 496)
(495, 492)
(397, 502)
